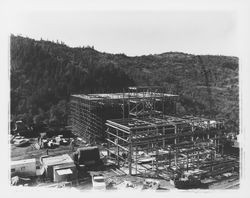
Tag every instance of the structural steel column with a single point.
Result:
(175, 131)
(198, 164)
(169, 156)
(156, 158)
(192, 136)
(108, 145)
(130, 153)
(136, 150)
(164, 141)
(176, 148)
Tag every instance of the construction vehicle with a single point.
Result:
(187, 181)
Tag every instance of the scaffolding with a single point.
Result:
(90, 112)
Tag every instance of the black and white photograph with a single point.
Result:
(134, 97)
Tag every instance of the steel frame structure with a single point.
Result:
(180, 143)
(90, 112)
(138, 131)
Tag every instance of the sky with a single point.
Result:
(133, 32)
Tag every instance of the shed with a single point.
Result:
(49, 162)
(65, 172)
(26, 167)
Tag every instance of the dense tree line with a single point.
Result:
(44, 74)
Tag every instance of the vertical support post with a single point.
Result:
(136, 109)
(164, 141)
(118, 159)
(148, 145)
(117, 148)
(169, 157)
(176, 147)
(215, 140)
(176, 136)
(154, 103)
(156, 146)
(192, 136)
(222, 149)
(163, 101)
(192, 156)
(123, 105)
(212, 167)
(130, 153)
(215, 146)
(136, 151)
(157, 158)
(198, 163)
(175, 107)
(108, 145)
(176, 156)
(218, 144)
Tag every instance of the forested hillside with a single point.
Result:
(43, 74)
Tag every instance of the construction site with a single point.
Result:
(144, 136)
(133, 139)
